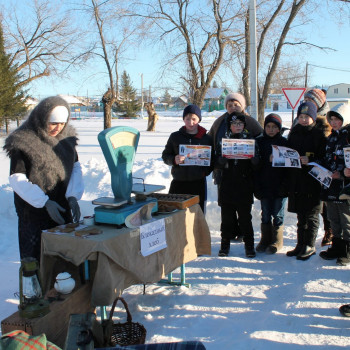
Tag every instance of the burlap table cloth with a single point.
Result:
(120, 263)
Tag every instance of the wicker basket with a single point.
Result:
(128, 333)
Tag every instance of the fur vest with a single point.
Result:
(50, 159)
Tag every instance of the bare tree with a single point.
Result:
(194, 37)
(113, 33)
(274, 25)
(41, 40)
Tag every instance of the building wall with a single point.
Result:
(338, 91)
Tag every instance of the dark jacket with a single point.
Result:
(303, 189)
(218, 128)
(334, 161)
(270, 182)
(234, 177)
(181, 137)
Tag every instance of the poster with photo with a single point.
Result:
(346, 151)
(285, 157)
(321, 174)
(237, 148)
(195, 154)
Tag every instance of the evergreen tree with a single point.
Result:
(167, 98)
(128, 103)
(215, 84)
(12, 100)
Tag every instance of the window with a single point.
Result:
(336, 90)
(348, 90)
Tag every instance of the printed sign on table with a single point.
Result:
(152, 237)
(237, 148)
(195, 154)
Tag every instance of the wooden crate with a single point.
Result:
(55, 323)
(178, 201)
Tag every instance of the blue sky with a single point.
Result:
(327, 32)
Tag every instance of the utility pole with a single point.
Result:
(253, 59)
(141, 95)
(306, 69)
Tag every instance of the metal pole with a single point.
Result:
(141, 95)
(253, 58)
(306, 69)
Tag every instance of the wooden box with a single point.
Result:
(55, 323)
(178, 201)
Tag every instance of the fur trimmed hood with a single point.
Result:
(51, 158)
(341, 111)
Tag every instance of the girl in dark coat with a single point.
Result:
(189, 179)
(269, 187)
(235, 188)
(45, 173)
(303, 189)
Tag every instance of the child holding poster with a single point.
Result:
(189, 179)
(338, 210)
(236, 154)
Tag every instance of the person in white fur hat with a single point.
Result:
(234, 103)
(45, 173)
(338, 208)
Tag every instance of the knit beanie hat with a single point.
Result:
(316, 95)
(236, 96)
(309, 109)
(341, 111)
(236, 116)
(193, 109)
(273, 118)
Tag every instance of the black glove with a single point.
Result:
(74, 206)
(54, 209)
(221, 162)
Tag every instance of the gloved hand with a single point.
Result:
(74, 206)
(221, 162)
(54, 209)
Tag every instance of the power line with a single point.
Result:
(337, 69)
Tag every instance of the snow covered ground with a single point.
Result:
(270, 302)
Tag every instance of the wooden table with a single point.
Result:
(117, 257)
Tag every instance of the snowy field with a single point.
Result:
(267, 303)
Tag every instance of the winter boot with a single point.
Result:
(344, 258)
(249, 251)
(266, 236)
(327, 238)
(300, 241)
(277, 240)
(345, 310)
(334, 251)
(308, 249)
(225, 247)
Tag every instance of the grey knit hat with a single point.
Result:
(235, 96)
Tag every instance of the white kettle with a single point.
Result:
(64, 283)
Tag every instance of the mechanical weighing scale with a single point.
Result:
(119, 145)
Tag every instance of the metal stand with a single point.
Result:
(182, 281)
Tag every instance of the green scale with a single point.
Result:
(119, 145)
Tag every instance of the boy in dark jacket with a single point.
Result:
(269, 182)
(189, 179)
(304, 190)
(338, 210)
(235, 189)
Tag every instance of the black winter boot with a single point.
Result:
(249, 251)
(308, 248)
(276, 241)
(266, 236)
(344, 258)
(334, 251)
(225, 247)
(300, 240)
